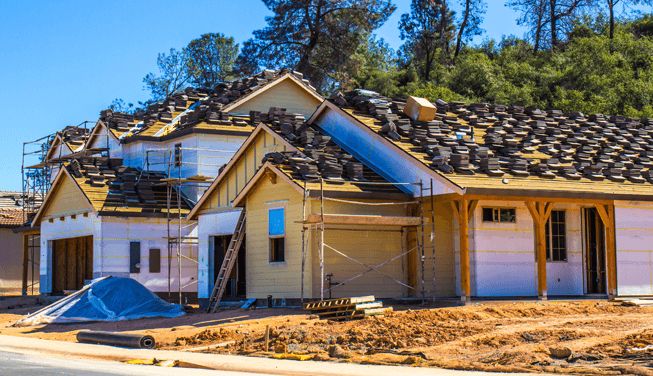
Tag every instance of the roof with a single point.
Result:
(310, 156)
(317, 157)
(11, 200)
(73, 137)
(116, 190)
(11, 217)
(482, 147)
(200, 110)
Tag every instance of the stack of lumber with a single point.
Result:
(347, 308)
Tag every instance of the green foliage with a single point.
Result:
(315, 37)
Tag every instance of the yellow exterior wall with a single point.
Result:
(286, 94)
(66, 199)
(281, 280)
(444, 263)
(370, 245)
(11, 262)
(246, 166)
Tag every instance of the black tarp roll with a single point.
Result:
(116, 339)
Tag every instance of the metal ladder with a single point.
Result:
(227, 264)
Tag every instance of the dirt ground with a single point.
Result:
(580, 337)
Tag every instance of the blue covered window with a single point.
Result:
(276, 224)
(276, 233)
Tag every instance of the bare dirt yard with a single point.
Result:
(569, 337)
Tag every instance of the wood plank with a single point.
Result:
(379, 220)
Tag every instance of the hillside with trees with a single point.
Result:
(593, 56)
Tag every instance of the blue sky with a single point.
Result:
(62, 61)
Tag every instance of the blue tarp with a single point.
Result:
(105, 299)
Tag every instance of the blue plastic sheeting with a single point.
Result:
(276, 222)
(105, 299)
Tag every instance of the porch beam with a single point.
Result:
(606, 212)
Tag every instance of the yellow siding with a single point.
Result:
(286, 94)
(445, 262)
(371, 245)
(239, 175)
(66, 199)
(281, 280)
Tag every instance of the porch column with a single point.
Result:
(606, 212)
(462, 210)
(540, 212)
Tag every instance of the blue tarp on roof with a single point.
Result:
(105, 299)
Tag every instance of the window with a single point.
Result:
(277, 234)
(155, 260)
(499, 215)
(556, 237)
(177, 155)
(134, 257)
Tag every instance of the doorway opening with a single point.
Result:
(595, 257)
(236, 285)
(72, 263)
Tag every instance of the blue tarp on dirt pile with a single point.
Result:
(105, 299)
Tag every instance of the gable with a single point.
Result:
(240, 170)
(58, 149)
(287, 94)
(66, 198)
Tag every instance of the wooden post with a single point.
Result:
(461, 211)
(606, 212)
(303, 243)
(25, 262)
(540, 212)
(322, 239)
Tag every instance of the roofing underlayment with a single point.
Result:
(104, 299)
(511, 147)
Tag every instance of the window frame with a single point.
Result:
(273, 239)
(562, 238)
(497, 215)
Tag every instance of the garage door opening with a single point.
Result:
(72, 263)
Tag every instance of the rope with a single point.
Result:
(371, 267)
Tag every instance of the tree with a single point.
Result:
(549, 18)
(119, 105)
(173, 74)
(469, 25)
(211, 59)
(612, 4)
(315, 37)
(425, 29)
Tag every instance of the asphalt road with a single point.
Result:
(15, 364)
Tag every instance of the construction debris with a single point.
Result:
(347, 308)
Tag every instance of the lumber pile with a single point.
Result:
(347, 308)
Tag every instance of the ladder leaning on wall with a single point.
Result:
(227, 264)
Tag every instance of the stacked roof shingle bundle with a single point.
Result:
(74, 137)
(119, 122)
(198, 105)
(499, 140)
(111, 185)
(318, 155)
